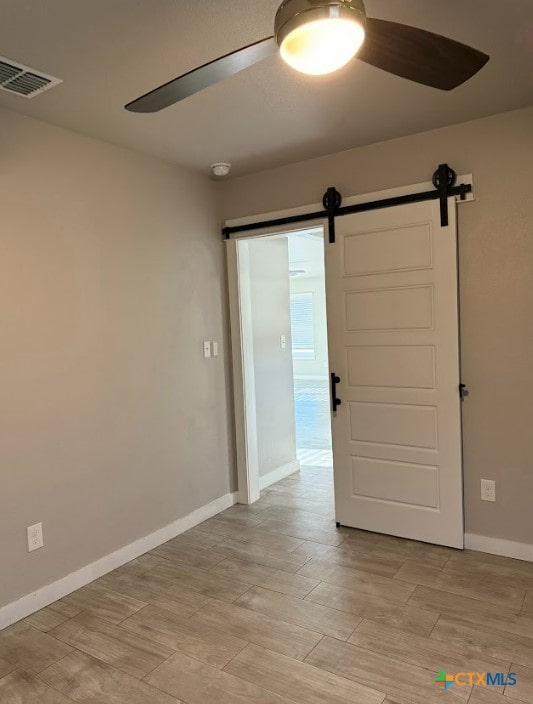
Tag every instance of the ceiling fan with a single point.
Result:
(320, 36)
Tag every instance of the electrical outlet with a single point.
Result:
(215, 348)
(488, 490)
(35, 537)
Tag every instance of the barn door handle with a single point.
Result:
(335, 401)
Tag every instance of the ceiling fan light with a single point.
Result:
(322, 46)
(320, 37)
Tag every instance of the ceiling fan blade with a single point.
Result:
(418, 55)
(203, 77)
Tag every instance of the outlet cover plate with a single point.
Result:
(488, 490)
(35, 537)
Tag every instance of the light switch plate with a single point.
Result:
(283, 341)
(207, 349)
(215, 348)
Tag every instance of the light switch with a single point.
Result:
(283, 342)
(207, 349)
(215, 348)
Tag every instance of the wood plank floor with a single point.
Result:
(272, 604)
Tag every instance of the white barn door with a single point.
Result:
(391, 281)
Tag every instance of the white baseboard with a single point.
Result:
(497, 546)
(276, 475)
(47, 595)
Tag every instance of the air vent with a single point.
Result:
(23, 80)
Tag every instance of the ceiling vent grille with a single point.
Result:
(22, 80)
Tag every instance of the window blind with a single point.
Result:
(302, 324)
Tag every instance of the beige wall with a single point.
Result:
(274, 391)
(496, 273)
(112, 424)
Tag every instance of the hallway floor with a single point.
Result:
(272, 604)
(315, 458)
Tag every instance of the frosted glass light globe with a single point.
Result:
(322, 46)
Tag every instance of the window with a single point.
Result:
(303, 326)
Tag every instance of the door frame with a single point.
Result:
(243, 387)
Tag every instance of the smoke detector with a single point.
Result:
(220, 170)
(24, 81)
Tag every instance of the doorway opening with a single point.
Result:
(284, 356)
(310, 348)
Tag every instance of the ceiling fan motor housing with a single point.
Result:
(293, 13)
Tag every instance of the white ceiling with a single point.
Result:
(306, 253)
(111, 51)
